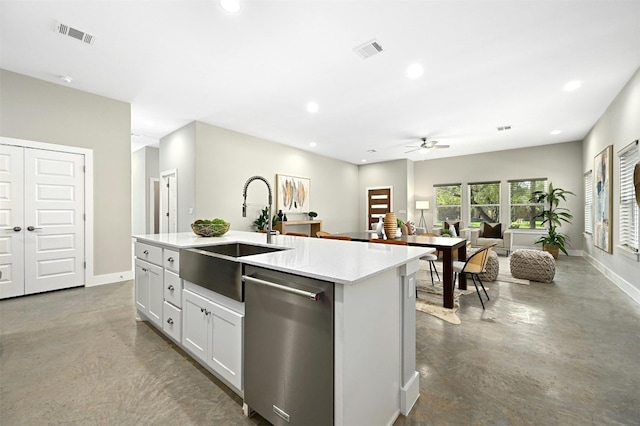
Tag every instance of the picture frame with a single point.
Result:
(603, 193)
(293, 194)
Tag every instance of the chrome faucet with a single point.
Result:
(244, 203)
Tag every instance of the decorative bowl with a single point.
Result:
(210, 229)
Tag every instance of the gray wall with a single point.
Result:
(618, 126)
(144, 166)
(40, 111)
(225, 159)
(559, 163)
(177, 151)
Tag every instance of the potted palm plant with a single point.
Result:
(553, 216)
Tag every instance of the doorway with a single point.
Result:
(42, 223)
(378, 204)
(169, 201)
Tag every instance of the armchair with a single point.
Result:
(493, 233)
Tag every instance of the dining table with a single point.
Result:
(446, 245)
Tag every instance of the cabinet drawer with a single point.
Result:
(172, 288)
(172, 321)
(149, 253)
(172, 260)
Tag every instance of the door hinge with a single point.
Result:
(167, 184)
(167, 214)
(84, 169)
(85, 265)
(84, 216)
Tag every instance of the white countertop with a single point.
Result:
(344, 262)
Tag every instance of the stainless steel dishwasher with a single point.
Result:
(288, 341)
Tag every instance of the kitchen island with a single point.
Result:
(374, 377)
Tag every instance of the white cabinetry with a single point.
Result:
(158, 288)
(149, 297)
(213, 334)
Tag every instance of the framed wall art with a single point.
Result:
(603, 203)
(292, 194)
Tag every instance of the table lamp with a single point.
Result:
(422, 205)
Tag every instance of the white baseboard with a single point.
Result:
(109, 278)
(623, 284)
(409, 394)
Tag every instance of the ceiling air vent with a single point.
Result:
(503, 128)
(66, 30)
(368, 49)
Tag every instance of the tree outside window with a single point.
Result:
(448, 202)
(523, 209)
(484, 200)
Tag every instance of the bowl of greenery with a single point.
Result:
(210, 228)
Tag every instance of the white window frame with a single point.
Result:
(528, 204)
(588, 202)
(436, 221)
(495, 205)
(629, 212)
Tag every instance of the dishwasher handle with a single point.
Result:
(307, 294)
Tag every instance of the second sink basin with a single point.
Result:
(239, 249)
(211, 267)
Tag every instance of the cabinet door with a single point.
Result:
(225, 350)
(156, 294)
(149, 291)
(195, 327)
(142, 286)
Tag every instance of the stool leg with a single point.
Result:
(434, 268)
(431, 271)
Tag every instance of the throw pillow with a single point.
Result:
(453, 231)
(456, 226)
(489, 231)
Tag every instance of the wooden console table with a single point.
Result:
(316, 225)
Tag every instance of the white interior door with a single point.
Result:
(54, 220)
(169, 202)
(12, 231)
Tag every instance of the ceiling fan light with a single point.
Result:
(423, 150)
(230, 6)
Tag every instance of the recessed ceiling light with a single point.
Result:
(312, 144)
(571, 86)
(312, 107)
(363, 160)
(415, 71)
(556, 132)
(231, 6)
(65, 78)
(371, 151)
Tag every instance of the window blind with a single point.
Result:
(588, 202)
(629, 211)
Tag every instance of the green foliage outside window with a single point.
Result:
(525, 213)
(448, 202)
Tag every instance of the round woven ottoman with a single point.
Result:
(534, 265)
(493, 266)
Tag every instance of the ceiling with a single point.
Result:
(487, 64)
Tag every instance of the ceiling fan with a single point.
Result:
(425, 146)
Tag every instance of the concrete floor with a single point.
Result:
(565, 353)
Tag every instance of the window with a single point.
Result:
(629, 211)
(523, 210)
(448, 202)
(484, 200)
(588, 202)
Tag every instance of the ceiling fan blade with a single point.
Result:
(412, 150)
(440, 146)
